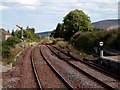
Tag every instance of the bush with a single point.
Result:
(12, 41)
(84, 42)
(6, 45)
(114, 41)
(5, 51)
(88, 40)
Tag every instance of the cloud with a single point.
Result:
(24, 2)
(95, 8)
(4, 7)
(99, 1)
(27, 8)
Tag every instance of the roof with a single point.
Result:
(3, 31)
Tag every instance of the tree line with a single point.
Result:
(88, 36)
(28, 34)
(73, 22)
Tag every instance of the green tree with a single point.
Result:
(13, 32)
(18, 33)
(59, 31)
(8, 31)
(76, 21)
(73, 22)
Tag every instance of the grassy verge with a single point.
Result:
(14, 52)
(73, 50)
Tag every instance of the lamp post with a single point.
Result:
(101, 48)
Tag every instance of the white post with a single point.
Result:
(101, 53)
(22, 38)
(101, 49)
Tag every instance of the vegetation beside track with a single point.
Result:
(13, 45)
(88, 38)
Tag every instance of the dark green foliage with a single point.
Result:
(6, 45)
(13, 32)
(76, 21)
(73, 22)
(28, 34)
(12, 41)
(18, 33)
(5, 51)
(59, 31)
(32, 30)
(114, 41)
(84, 42)
(87, 40)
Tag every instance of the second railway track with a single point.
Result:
(100, 77)
(89, 63)
(76, 78)
(53, 71)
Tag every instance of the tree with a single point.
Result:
(59, 31)
(13, 33)
(8, 31)
(75, 21)
(27, 27)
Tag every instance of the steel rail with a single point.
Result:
(35, 71)
(53, 68)
(95, 66)
(87, 74)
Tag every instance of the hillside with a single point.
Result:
(107, 24)
(44, 34)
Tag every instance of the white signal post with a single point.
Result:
(21, 35)
(101, 49)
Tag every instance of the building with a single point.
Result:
(4, 35)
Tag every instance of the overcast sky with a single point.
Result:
(44, 15)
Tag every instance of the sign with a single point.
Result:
(101, 43)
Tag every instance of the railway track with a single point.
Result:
(77, 73)
(46, 75)
(34, 70)
(93, 65)
(107, 82)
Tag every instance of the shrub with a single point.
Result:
(87, 40)
(5, 51)
(6, 45)
(84, 42)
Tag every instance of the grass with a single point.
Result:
(0, 46)
(73, 50)
(14, 52)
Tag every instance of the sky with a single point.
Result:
(44, 15)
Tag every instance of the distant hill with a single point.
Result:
(44, 34)
(107, 24)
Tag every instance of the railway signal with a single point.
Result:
(101, 48)
(22, 37)
(21, 31)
